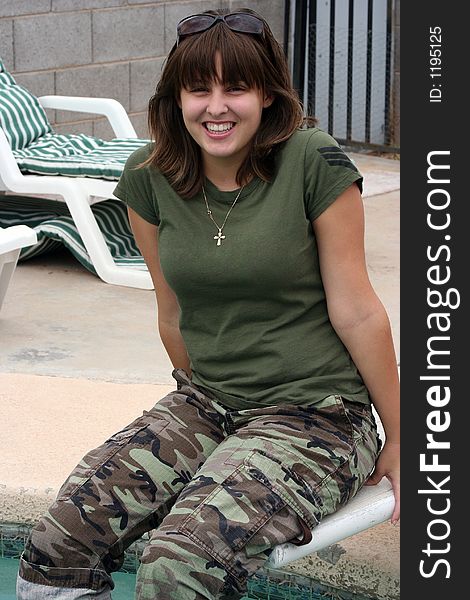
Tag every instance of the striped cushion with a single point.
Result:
(22, 118)
(77, 156)
(55, 227)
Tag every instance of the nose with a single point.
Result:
(217, 104)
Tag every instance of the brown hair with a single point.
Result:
(258, 61)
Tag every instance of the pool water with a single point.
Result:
(124, 590)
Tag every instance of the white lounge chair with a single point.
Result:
(24, 126)
(12, 239)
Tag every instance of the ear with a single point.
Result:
(178, 101)
(268, 100)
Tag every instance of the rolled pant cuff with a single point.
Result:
(90, 579)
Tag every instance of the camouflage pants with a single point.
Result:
(217, 488)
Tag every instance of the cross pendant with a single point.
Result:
(219, 237)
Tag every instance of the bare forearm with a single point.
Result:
(175, 347)
(371, 347)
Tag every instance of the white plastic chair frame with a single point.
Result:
(12, 239)
(79, 192)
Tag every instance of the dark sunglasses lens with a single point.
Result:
(194, 24)
(244, 23)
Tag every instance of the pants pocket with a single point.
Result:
(98, 462)
(367, 445)
(226, 520)
(285, 481)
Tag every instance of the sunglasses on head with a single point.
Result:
(239, 22)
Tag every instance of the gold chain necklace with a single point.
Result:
(219, 237)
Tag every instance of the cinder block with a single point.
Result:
(102, 129)
(144, 77)
(39, 84)
(6, 43)
(271, 10)
(77, 127)
(139, 121)
(52, 41)
(127, 33)
(175, 11)
(97, 81)
(50, 115)
(142, 1)
(15, 8)
(66, 5)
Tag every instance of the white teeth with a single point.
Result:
(215, 127)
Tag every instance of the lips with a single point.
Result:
(217, 128)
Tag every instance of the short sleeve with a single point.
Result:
(328, 173)
(135, 187)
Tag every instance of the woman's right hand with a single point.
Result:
(388, 465)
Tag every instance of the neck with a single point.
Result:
(224, 185)
(223, 174)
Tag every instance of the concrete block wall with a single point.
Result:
(104, 48)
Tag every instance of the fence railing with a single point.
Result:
(342, 66)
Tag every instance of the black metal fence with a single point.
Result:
(342, 66)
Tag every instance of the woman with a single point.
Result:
(252, 230)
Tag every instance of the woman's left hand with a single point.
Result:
(388, 465)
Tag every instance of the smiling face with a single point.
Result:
(222, 118)
(221, 108)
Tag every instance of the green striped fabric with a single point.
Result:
(77, 156)
(22, 118)
(55, 228)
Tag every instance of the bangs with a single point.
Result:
(240, 57)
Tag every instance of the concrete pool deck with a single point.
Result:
(79, 359)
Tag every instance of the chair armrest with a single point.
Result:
(112, 109)
(9, 170)
(16, 237)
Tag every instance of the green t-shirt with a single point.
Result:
(253, 310)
